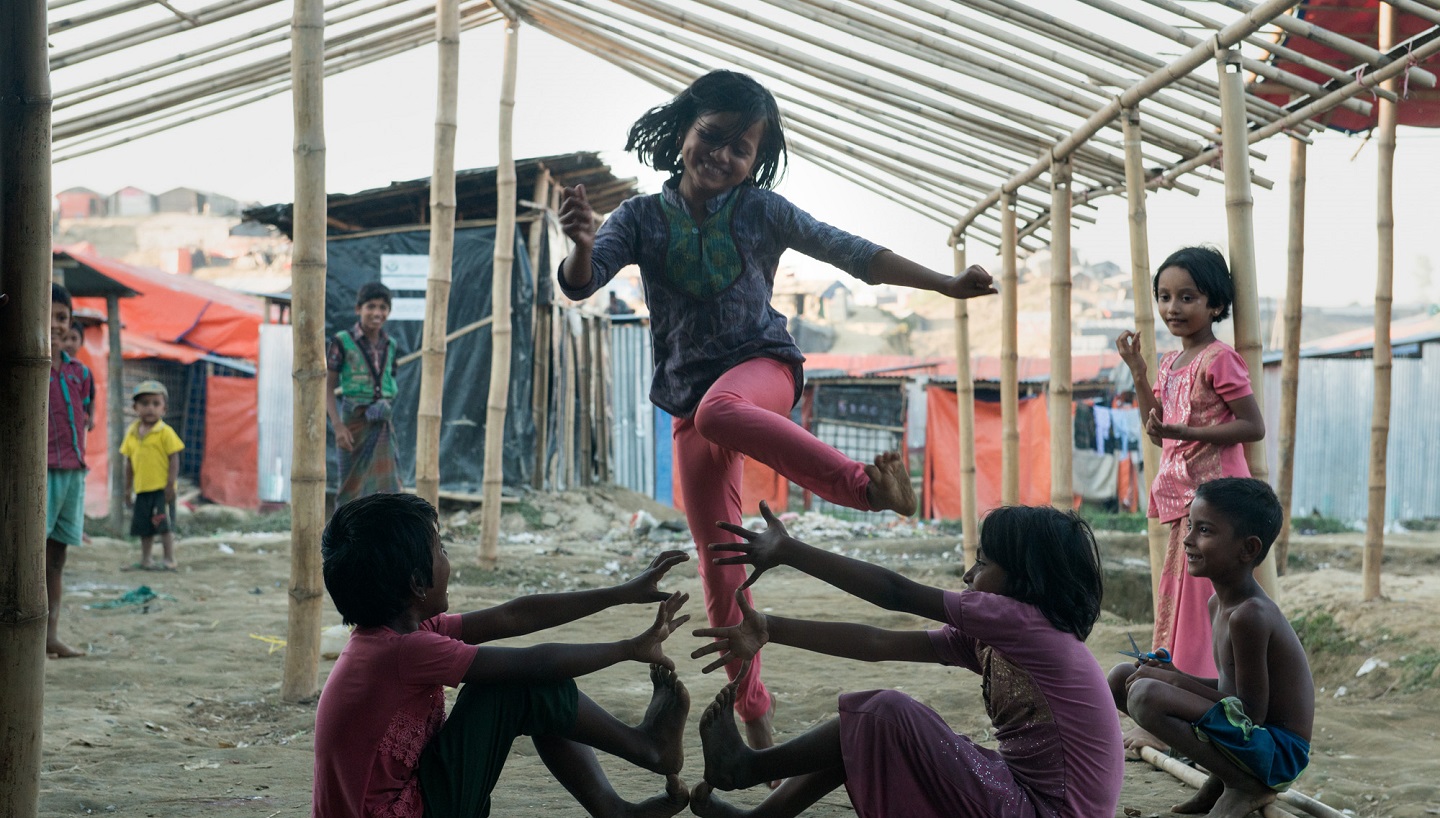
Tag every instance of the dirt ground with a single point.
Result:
(176, 711)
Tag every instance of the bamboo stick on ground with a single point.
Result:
(965, 405)
(1290, 360)
(1061, 391)
(1195, 778)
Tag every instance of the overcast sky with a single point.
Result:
(380, 125)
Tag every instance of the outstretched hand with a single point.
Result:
(761, 550)
(975, 281)
(648, 644)
(740, 641)
(577, 219)
(645, 586)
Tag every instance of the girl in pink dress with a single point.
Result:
(1200, 410)
(1029, 602)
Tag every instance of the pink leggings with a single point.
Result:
(747, 413)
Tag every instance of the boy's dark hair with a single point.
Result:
(1207, 268)
(656, 137)
(79, 327)
(1249, 505)
(373, 549)
(1051, 561)
(60, 295)
(371, 290)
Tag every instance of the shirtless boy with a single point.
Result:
(1251, 727)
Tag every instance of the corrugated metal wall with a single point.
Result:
(1332, 432)
(632, 435)
(274, 414)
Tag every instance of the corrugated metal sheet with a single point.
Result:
(274, 413)
(1332, 432)
(632, 435)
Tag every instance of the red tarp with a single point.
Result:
(1357, 20)
(942, 462)
(232, 442)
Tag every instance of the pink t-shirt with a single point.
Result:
(1197, 394)
(382, 704)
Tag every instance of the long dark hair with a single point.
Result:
(657, 136)
(1207, 268)
(1050, 560)
(373, 549)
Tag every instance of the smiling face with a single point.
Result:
(373, 314)
(712, 165)
(986, 576)
(59, 323)
(72, 342)
(1213, 549)
(1186, 311)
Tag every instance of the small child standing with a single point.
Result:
(152, 463)
(1251, 726)
(361, 365)
(1029, 602)
(1200, 410)
(71, 391)
(383, 744)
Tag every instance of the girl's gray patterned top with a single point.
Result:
(708, 285)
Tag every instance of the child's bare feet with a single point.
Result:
(704, 803)
(1137, 737)
(1203, 800)
(55, 649)
(1234, 803)
(664, 719)
(890, 485)
(675, 799)
(726, 756)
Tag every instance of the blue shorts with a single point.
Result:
(65, 505)
(1273, 755)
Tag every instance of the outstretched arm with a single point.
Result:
(887, 267)
(528, 614)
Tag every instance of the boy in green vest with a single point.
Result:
(361, 363)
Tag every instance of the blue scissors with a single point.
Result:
(1160, 655)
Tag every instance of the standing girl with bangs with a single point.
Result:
(726, 367)
(1200, 410)
(1029, 602)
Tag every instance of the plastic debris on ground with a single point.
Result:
(140, 597)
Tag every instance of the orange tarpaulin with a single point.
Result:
(232, 441)
(942, 454)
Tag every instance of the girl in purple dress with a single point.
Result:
(1029, 602)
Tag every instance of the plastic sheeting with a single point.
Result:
(228, 472)
(353, 261)
(942, 459)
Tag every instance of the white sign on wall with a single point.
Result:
(405, 273)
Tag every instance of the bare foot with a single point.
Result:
(704, 803)
(1235, 803)
(55, 649)
(1203, 800)
(726, 756)
(664, 720)
(890, 485)
(1137, 737)
(675, 799)
(760, 732)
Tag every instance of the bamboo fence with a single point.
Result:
(1061, 390)
(1290, 360)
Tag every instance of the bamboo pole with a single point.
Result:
(1239, 218)
(500, 331)
(307, 471)
(586, 391)
(25, 264)
(965, 404)
(1290, 361)
(71, 23)
(1062, 390)
(1009, 356)
(150, 32)
(1196, 779)
(115, 408)
(442, 248)
(1384, 296)
(544, 343)
(1155, 534)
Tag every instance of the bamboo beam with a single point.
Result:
(115, 408)
(1239, 218)
(539, 325)
(442, 248)
(1384, 296)
(1009, 356)
(71, 23)
(150, 32)
(501, 331)
(1062, 389)
(1290, 360)
(25, 264)
(965, 403)
(1155, 535)
(307, 471)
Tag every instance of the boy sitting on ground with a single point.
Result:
(1250, 727)
(383, 745)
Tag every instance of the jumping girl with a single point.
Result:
(1029, 602)
(725, 367)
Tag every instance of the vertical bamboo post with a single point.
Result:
(965, 402)
(428, 418)
(500, 328)
(1239, 211)
(1062, 390)
(586, 376)
(1384, 295)
(1290, 362)
(1009, 355)
(25, 264)
(1156, 535)
(540, 325)
(115, 411)
(307, 471)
